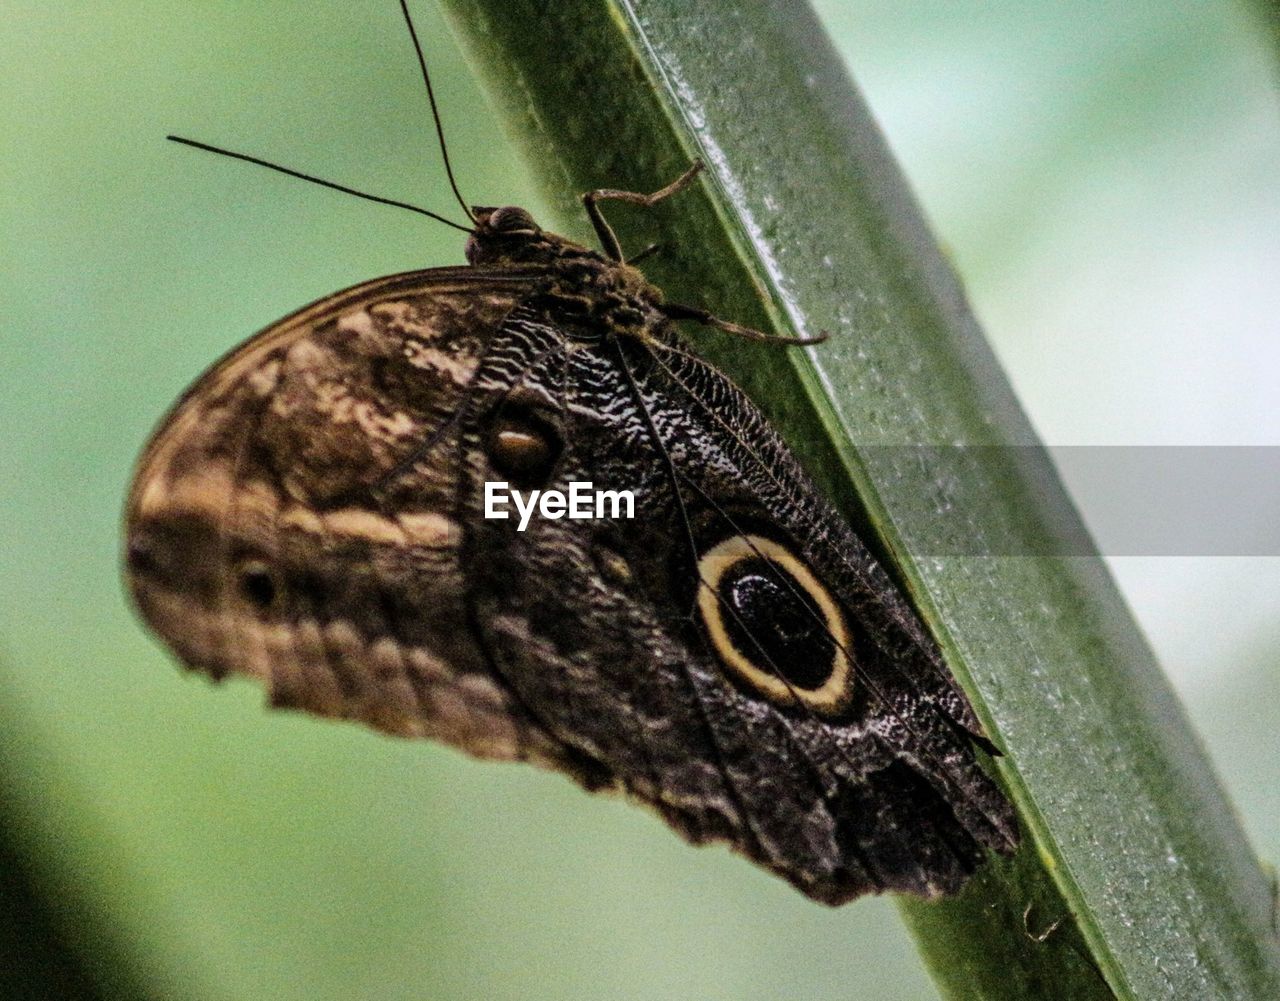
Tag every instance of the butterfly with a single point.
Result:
(312, 513)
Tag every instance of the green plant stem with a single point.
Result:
(1134, 878)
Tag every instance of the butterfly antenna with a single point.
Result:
(435, 111)
(290, 172)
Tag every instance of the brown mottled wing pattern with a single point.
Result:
(254, 542)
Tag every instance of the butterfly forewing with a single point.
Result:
(269, 534)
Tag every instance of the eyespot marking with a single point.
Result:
(774, 625)
(257, 584)
(523, 446)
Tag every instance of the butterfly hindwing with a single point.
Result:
(596, 626)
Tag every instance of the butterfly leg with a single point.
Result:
(675, 311)
(608, 239)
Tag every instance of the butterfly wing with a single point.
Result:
(913, 810)
(312, 514)
(291, 519)
(680, 651)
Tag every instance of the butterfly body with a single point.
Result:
(311, 513)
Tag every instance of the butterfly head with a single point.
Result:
(508, 235)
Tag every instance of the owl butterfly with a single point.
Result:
(311, 513)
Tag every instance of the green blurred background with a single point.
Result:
(1106, 177)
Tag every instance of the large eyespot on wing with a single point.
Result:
(774, 624)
